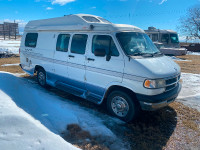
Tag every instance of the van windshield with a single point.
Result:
(134, 43)
(174, 38)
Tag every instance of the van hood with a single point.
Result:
(155, 67)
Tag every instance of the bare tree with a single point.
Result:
(190, 24)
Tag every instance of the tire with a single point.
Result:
(122, 106)
(41, 77)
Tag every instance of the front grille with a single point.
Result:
(171, 83)
(170, 87)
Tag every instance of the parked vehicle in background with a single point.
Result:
(166, 40)
(90, 57)
(194, 47)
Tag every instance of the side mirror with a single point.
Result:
(100, 52)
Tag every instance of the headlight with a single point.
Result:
(154, 84)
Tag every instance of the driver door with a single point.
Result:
(99, 71)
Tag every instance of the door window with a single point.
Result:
(105, 42)
(79, 42)
(63, 42)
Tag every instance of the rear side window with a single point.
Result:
(90, 19)
(79, 43)
(31, 39)
(105, 42)
(62, 42)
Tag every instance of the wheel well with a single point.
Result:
(119, 88)
(37, 67)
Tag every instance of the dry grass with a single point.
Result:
(10, 60)
(173, 127)
(192, 66)
(81, 138)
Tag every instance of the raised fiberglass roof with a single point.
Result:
(78, 22)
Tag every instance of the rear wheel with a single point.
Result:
(41, 77)
(122, 106)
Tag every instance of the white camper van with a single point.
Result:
(99, 61)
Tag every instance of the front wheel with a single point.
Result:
(41, 77)
(122, 106)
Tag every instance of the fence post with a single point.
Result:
(15, 25)
(4, 31)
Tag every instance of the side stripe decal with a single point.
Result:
(89, 68)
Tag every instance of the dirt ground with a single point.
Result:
(174, 127)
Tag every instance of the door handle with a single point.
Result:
(71, 56)
(90, 59)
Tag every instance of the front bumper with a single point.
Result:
(154, 102)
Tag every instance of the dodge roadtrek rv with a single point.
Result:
(90, 57)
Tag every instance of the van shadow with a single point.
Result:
(151, 130)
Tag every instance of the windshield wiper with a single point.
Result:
(143, 54)
(137, 54)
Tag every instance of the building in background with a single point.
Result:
(9, 30)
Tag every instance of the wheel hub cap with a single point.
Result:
(120, 106)
(41, 78)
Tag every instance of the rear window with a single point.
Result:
(31, 39)
(79, 43)
(62, 42)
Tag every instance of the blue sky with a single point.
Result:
(163, 14)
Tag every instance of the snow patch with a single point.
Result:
(9, 46)
(193, 53)
(48, 110)
(20, 131)
(190, 92)
(6, 65)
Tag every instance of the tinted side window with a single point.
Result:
(105, 42)
(31, 39)
(165, 38)
(79, 43)
(63, 42)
